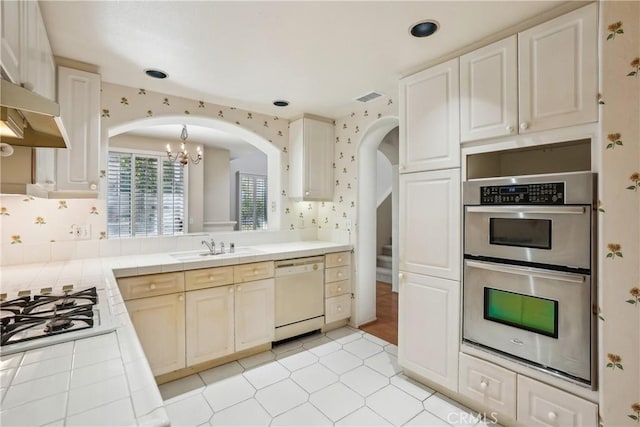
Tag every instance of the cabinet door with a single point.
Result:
(254, 313)
(429, 235)
(79, 97)
(210, 331)
(429, 119)
(489, 91)
(543, 405)
(159, 323)
(428, 328)
(10, 39)
(558, 72)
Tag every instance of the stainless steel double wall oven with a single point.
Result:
(529, 280)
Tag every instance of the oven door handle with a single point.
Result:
(574, 210)
(527, 271)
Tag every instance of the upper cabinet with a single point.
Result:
(79, 97)
(489, 91)
(311, 159)
(542, 78)
(26, 55)
(430, 123)
(558, 72)
(11, 39)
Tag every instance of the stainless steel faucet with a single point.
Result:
(211, 246)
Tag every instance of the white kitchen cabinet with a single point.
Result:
(428, 328)
(489, 91)
(78, 167)
(430, 119)
(311, 159)
(558, 67)
(429, 223)
(11, 39)
(38, 69)
(160, 325)
(210, 324)
(337, 279)
(543, 405)
(254, 313)
(492, 386)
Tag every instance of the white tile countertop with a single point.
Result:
(105, 379)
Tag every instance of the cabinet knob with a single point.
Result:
(339, 308)
(484, 384)
(524, 125)
(339, 273)
(306, 193)
(180, 297)
(400, 275)
(211, 277)
(255, 271)
(239, 288)
(402, 167)
(339, 289)
(231, 290)
(510, 129)
(552, 415)
(339, 259)
(152, 286)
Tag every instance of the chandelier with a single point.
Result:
(183, 157)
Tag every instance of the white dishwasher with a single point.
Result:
(299, 296)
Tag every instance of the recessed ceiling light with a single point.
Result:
(280, 103)
(156, 74)
(424, 28)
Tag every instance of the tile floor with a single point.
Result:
(345, 377)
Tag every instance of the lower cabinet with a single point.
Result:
(210, 320)
(543, 405)
(254, 313)
(521, 398)
(337, 289)
(428, 328)
(492, 386)
(160, 324)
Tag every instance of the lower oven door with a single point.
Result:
(540, 316)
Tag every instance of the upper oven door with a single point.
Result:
(557, 235)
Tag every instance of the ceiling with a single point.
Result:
(318, 55)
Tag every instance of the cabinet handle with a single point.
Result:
(510, 129)
(152, 286)
(255, 271)
(339, 273)
(239, 288)
(400, 275)
(339, 289)
(339, 259)
(211, 277)
(524, 125)
(180, 297)
(231, 290)
(484, 384)
(306, 193)
(552, 415)
(339, 309)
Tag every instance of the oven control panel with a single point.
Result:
(548, 193)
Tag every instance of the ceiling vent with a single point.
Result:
(369, 96)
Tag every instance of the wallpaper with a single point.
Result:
(349, 130)
(619, 213)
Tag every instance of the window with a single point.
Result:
(252, 201)
(145, 195)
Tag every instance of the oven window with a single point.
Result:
(527, 233)
(526, 312)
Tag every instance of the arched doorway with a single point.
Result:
(366, 219)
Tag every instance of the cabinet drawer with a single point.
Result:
(337, 308)
(491, 385)
(151, 285)
(337, 274)
(337, 259)
(334, 289)
(543, 405)
(208, 278)
(254, 271)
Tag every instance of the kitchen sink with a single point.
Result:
(204, 255)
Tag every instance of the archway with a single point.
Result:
(366, 219)
(272, 152)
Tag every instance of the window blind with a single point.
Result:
(145, 197)
(252, 201)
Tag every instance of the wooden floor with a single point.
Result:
(386, 325)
